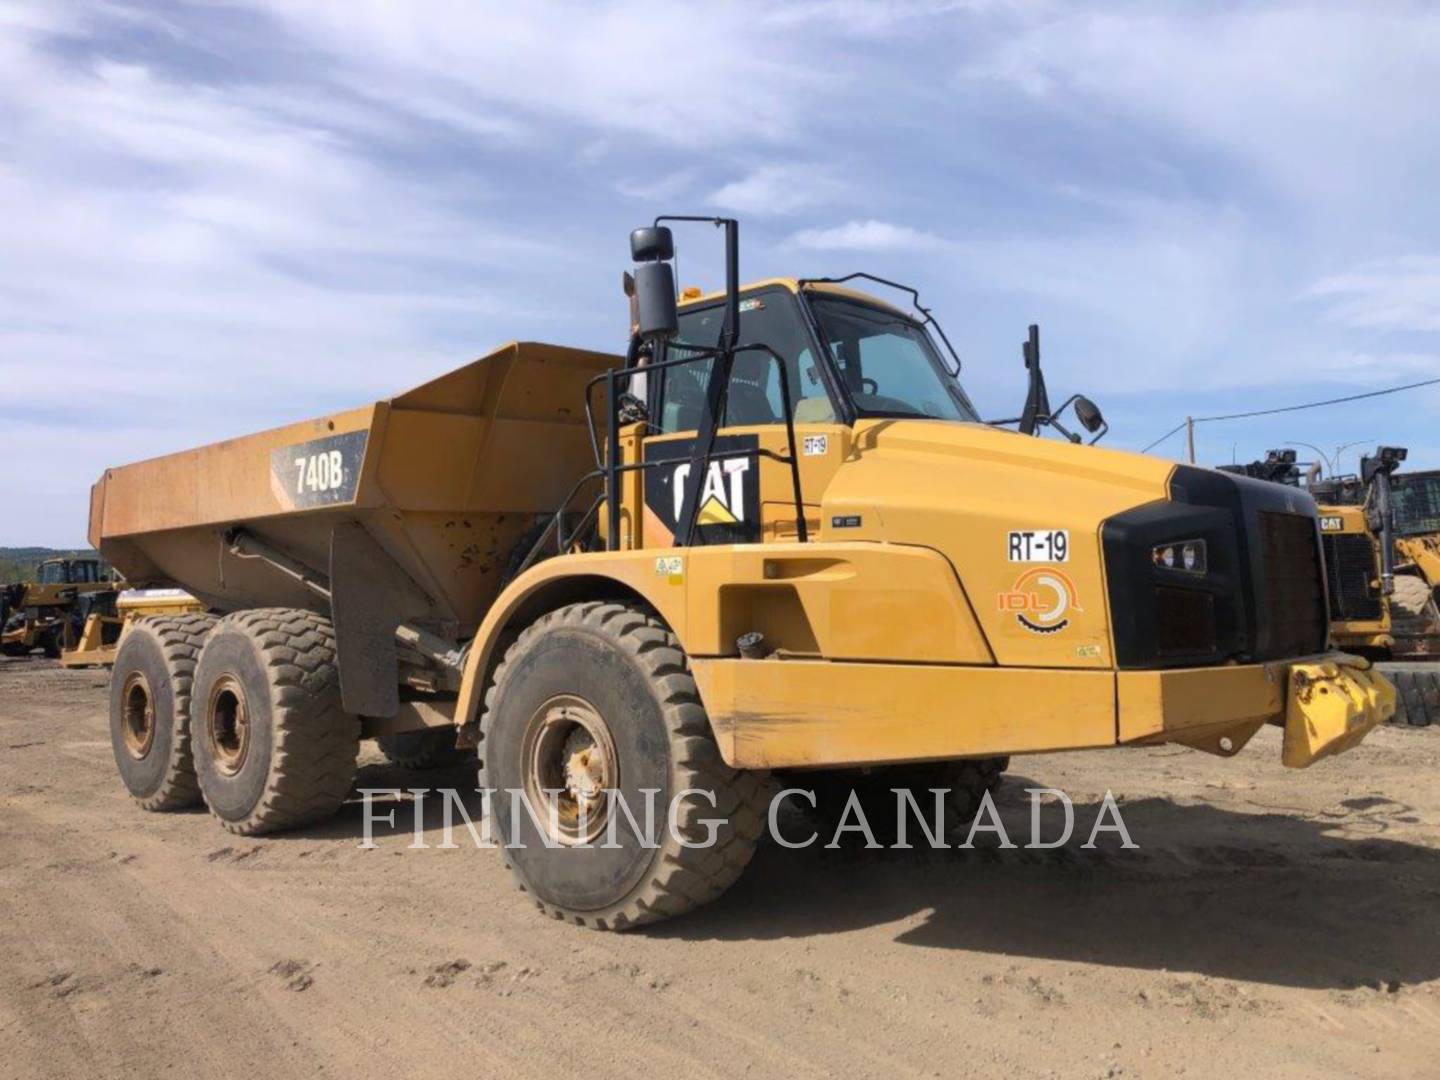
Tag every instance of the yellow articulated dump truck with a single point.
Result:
(775, 535)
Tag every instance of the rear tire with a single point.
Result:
(273, 747)
(432, 748)
(596, 697)
(150, 709)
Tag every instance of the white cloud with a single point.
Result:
(778, 189)
(869, 17)
(659, 188)
(1389, 294)
(695, 76)
(869, 235)
(1323, 100)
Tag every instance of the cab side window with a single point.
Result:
(769, 317)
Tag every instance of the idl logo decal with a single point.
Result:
(1041, 600)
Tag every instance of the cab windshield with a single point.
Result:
(1416, 499)
(887, 362)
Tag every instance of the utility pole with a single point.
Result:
(1190, 438)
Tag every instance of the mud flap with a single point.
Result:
(369, 596)
(1331, 707)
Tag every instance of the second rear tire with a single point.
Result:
(273, 747)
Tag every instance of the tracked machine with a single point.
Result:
(774, 537)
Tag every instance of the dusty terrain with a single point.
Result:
(1273, 923)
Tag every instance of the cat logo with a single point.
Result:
(722, 496)
(1041, 600)
(728, 496)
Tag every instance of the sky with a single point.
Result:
(221, 217)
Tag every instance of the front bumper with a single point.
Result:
(1326, 704)
(784, 713)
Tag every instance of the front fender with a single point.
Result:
(558, 581)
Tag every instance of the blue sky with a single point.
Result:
(218, 217)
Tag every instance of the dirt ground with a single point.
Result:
(1272, 923)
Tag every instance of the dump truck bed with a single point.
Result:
(444, 478)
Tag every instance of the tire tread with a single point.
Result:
(315, 742)
(682, 878)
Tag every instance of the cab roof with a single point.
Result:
(795, 285)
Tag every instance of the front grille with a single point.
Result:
(1350, 573)
(1292, 618)
(1185, 619)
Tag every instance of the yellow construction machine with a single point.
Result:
(47, 613)
(108, 615)
(1416, 501)
(776, 535)
(1379, 547)
(1355, 538)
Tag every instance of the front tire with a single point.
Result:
(150, 689)
(598, 697)
(273, 747)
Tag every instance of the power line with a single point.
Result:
(1289, 408)
(1178, 427)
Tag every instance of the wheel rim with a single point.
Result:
(227, 728)
(137, 715)
(570, 767)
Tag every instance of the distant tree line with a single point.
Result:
(18, 563)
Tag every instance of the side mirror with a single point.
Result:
(654, 243)
(656, 313)
(1088, 413)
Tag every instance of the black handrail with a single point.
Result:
(610, 466)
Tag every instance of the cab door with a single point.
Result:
(746, 496)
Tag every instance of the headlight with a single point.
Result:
(1185, 556)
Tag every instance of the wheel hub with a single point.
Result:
(570, 767)
(137, 716)
(227, 727)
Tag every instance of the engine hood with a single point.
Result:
(1019, 518)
